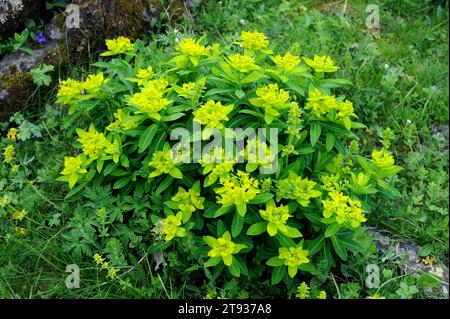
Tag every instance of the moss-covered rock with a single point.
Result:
(99, 20)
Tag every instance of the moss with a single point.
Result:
(19, 86)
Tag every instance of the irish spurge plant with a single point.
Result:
(248, 157)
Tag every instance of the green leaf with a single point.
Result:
(316, 245)
(222, 211)
(237, 224)
(339, 248)
(261, 198)
(257, 229)
(292, 232)
(214, 261)
(275, 262)
(164, 184)
(428, 280)
(147, 137)
(284, 241)
(39, 75)
(329, 142)
(277, 275)
(234, 268)
(332, 229)
(314, 133)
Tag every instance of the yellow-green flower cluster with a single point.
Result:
(287, 62)
(276, 218)
(151, 99)
(69, 91)
(212, 114)
(105, 265)
(321, 104)
(94, 143)
(73, 169)
(331, 182)
(188, 201)
(344, 209)
(93, 83)
(144, 75)
(321, 64)
(382, 158)
(254, 41)
(242, 63)
(223, 247)
(297, 188)
(216, 166)
(163, 163)
(191, 90)
(117, 46)
(171, 226)
(302, 291)
(294, 119)
(123, 121)
(12, 134)
(237, 190)
(272, 99)
(8, 154)
(293, 257)
(192, 49)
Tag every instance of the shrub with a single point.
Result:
(292, 197)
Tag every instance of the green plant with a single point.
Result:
(298, 217)
(40, 76)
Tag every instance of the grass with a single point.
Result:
(400, 81)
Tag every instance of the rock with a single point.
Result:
(16, 84)
(90, 22)
(14, 12)
(74, 36)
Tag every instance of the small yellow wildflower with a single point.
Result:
(345, 108)
(69, 91)
(98, 259)
(163, 163)
(93, 83)
(286, 63)
(223, 247)
(382, 158)
(94, 143)
(322, 295)
(212, 114)
(112, 273)
(376, 296)
(192, 49)
(18, 214)
(320, 103)
(272, 99)
(293, 257)
(171, 227)
(297, 188)
(117, 46)
(344, 209)
(21, 231)
(242, 63)
(8, 154)
(12, 134)
(123, 121)
(302, 291)
(105, 265)
(151, 98)
(237, 190)
(5, 201)
(144, 75)
(276, 218)
(321, 63)
(428, 260)
(254, 41)
(73, 169)
(188, 201)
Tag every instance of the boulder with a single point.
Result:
(14, 12)
(75, 35)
